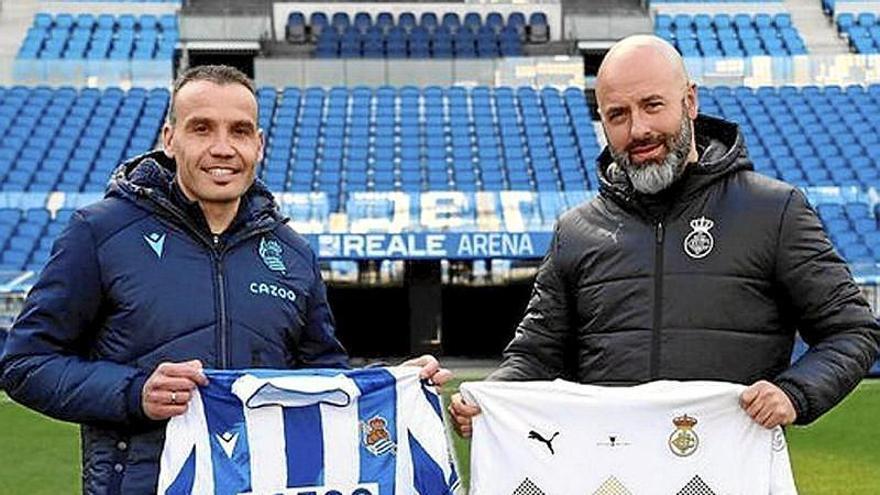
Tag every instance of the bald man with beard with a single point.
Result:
(688, 265)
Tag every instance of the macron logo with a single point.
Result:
(227, 442)
(156, 241)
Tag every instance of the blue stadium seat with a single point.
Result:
(429, 21)
(721, 36)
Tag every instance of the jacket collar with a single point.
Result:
(722, 153)
(149, 180)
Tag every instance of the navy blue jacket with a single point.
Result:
(137, 279)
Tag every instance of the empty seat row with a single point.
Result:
(418, 44)
(429, 26)
(862, 32)
(853, 229)
(70, 140)
(811, 136)
(65, 36)
(388, 138)
(722, 35)
(415, 139)
(26, 237)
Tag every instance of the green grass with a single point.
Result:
(38, 455)
(838, 455)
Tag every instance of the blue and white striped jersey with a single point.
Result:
(374, 431)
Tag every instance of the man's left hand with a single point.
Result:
(431, 369)
(768, 405)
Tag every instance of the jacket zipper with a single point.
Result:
(658, 301)
(217, 252)
(223, 352)
(223, 324)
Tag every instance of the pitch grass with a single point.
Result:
(838, 455)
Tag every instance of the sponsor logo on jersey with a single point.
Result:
(272, 290)
(360, 489)
(534, 435)
(684, 440)
(699, 243)
(613, 441)
(376, 437)
(270, 252)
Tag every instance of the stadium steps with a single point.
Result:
(818, 33)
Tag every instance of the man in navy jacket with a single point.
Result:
(186, 263)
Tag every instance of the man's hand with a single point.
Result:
(462, 415)
(768, 405)
(167, 391)
(431, 369)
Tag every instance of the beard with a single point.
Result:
(653, 176)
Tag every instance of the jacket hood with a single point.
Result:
(722, 153)
(151, 175)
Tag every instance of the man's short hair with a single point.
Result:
(217, 74)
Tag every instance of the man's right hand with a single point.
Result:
(167, 391)
(462, 415)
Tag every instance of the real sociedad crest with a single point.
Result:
(270, 252)
(699, 243)
(376, 437)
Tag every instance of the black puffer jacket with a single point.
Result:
(637, 288)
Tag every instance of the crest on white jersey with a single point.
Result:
(684, 440)
(699, 243)
(377, 439)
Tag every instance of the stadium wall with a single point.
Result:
(798, 70)
(561, 71)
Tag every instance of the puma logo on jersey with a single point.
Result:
(534, 435)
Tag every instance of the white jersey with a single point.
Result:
(375, 431)
(661, 438)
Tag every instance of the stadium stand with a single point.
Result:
(27, 237)
(723, 35)
(69, 140)
(811, 136)
(429, 36)
(346, 140)
(65, 36)
(862, 31)
(431, 139)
